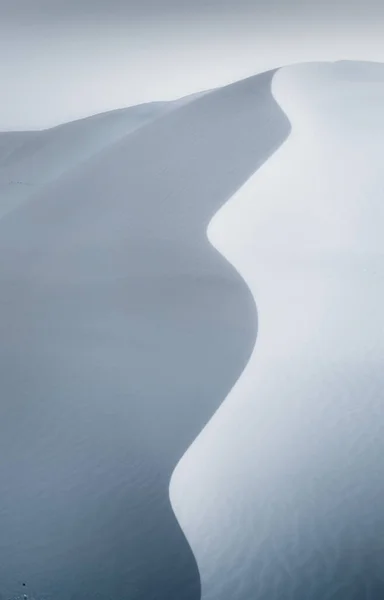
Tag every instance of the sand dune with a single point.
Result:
(281, 496)
(30, 160)
(122, 330)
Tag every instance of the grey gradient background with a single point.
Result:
(60, 60)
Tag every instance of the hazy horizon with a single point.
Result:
(64, 60)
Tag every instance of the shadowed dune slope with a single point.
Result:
(122, 330)
(30, 160)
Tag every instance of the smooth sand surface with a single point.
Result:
(281, 496)
(122, 330)
(33, 159)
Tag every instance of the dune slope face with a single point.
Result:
(31, 160)
(122, 330)
(285, 487)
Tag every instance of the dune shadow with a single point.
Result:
(122, 331)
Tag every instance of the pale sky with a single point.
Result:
(64, 59)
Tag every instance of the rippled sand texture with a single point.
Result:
(121, 331)
(282, 495)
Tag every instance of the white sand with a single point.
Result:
(281, 496)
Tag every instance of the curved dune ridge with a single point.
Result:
(122, 330)
(281, 495)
